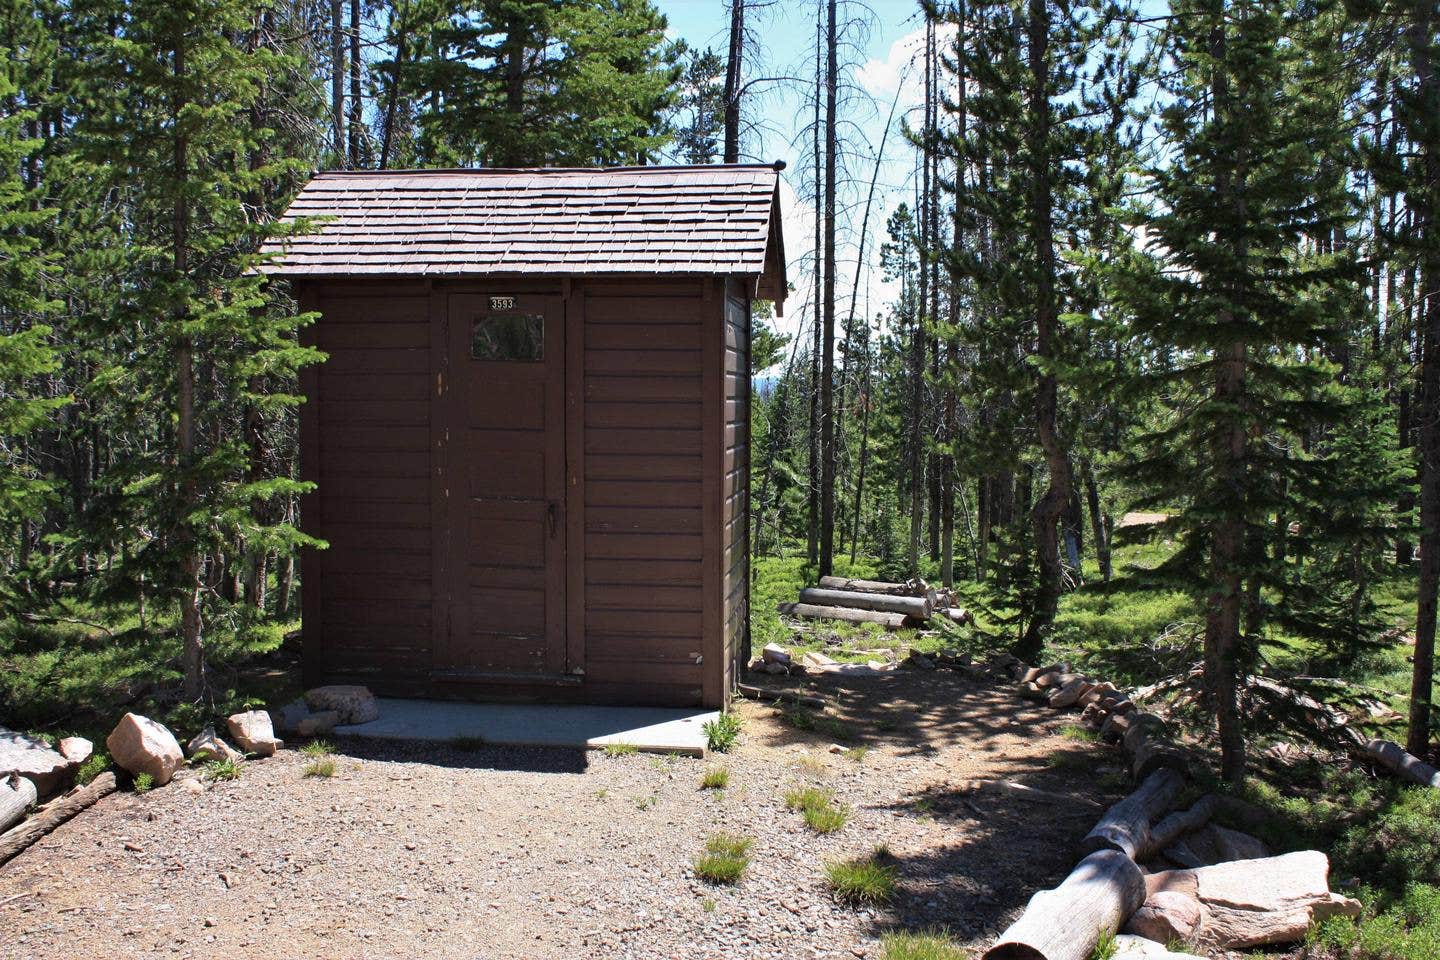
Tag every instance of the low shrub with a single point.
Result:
(225, 769)
(92, 768)
(1408, 930)
(144, 783)
(1398, 847)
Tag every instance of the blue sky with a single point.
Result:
(876, 63)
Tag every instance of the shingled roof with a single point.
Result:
(719, 219)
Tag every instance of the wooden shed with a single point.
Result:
(531, 437)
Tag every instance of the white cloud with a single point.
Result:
(903, 66)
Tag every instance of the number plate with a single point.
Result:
(502, 303)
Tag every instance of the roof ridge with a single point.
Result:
(777, 166)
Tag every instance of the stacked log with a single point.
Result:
(892, 605)
(1066, 923)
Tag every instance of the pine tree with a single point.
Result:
(168, 132)
(25, 351)
(700, 108)
(531, 82)
(1233, 308)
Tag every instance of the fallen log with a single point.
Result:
(956, 614)
(1126, 825)
(1406, 766)
(789, 696)
(1177, 824)
(1155, 753)
(1035, 673)
(1066, 923)
(16, 839)
(917, 607)
(915, 588)
(810, 611)
(1115, 727)
(17, 796)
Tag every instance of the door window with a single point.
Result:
(508, 336)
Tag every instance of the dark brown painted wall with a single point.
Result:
(656, 439)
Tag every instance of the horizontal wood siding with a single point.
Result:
(643, 528)
(371, 420)
(735, 486)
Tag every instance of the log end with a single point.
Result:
(1011, 950)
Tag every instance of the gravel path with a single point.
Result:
(429, 851)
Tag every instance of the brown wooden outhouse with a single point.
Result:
(531, 437)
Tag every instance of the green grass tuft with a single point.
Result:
(920, 946)
(144, 783)
(1105, 947)
(716, 778)
(725, 858)
(722, 733)
(318, 748)
(226, 769)
(1075, 731)
(826, 819)
(620, 749)
(861, 881)
(320, 768)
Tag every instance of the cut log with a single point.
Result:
(809, 611)
(1066, 923)
(789, 696)
(1155, 753)
(15, 840)
(917, 607)
(1035, 673)
(1143, 726)
(915, 588)
(1177, 824)
(1029, 691)
(956, 614)
(1406, 766)
(1115, 727)
(17, 796)
(1126, 825)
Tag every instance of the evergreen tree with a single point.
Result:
(169, 134)
(700, 108)
(1233, 307)
(533, 82)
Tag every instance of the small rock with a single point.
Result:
(192, 785)
(836, 748)
(207, 745)
(774, 653)
(778, 669)
(140, 745)
(288, 717)
(316, 724)
(252, 730)
(1166, 916)
(354, 704)
(75, 749)
(919, 661)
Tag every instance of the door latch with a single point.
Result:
(552, 513)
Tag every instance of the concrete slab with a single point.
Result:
(650, 729)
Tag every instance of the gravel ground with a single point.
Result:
(427, 850)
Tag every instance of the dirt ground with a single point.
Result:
(427, 850)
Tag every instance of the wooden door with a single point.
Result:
(506, 450)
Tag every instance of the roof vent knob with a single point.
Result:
(778, 165)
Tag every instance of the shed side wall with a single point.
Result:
(735, 486)
(643, 457)
(369, 451)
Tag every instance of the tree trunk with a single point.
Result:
(191, 562)
(733, 66)
(1048, 509)
(827, 357)
(1097, 520)
(357, 102)
(1427, 200)
(812, 495)
(337, 76)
